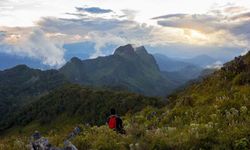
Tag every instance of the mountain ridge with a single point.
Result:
(129, 67)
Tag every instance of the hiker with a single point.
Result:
(115, 122)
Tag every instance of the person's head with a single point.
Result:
(112, 111)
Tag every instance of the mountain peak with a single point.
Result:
(20, 67)
(126, 50)
(75, 60)
(141, 50)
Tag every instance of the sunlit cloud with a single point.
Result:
(215, 27)
(33, 44)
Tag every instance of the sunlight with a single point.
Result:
(197, 35)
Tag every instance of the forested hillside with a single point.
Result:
(21, 85)
(84, 105)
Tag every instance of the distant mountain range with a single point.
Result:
(187, 69)
(175, 64)
(201, 60)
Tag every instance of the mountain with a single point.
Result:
(168, 64)
(210, 114)
(214, 111)
(201, 60)
(207, 72)
(19, 85)
(181, 71)
(175, 64)
(129, 68)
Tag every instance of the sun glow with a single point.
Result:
(197, 35)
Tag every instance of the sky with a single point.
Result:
(39, 29)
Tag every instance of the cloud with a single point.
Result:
(229, 27)
(170, 16)
(234, 9)
(102, 40)
(216, 65)
(2, 36)
(241, 16)
(130, 14)
(44, 41)
(101, 31)
(201, 22)
(82, 25)
(34, 45)
(94, 10)
(77, 14)
(244, 52)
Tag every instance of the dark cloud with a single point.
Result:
(170, 16)
(94, 10)
(201, 22)
(77, 14)
(2, 35)
(82, 25)
(241, 29)
(241, 16)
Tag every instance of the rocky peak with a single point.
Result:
(141, 50)
(126, 50)
(20, 68)
(75, 60)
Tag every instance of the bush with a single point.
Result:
(242, 144)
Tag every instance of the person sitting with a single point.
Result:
(115, 122)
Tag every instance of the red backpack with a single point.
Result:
(112, 122)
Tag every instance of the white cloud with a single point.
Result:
(245, 52)
(216, 65)
(102, 39)
(35, 45)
